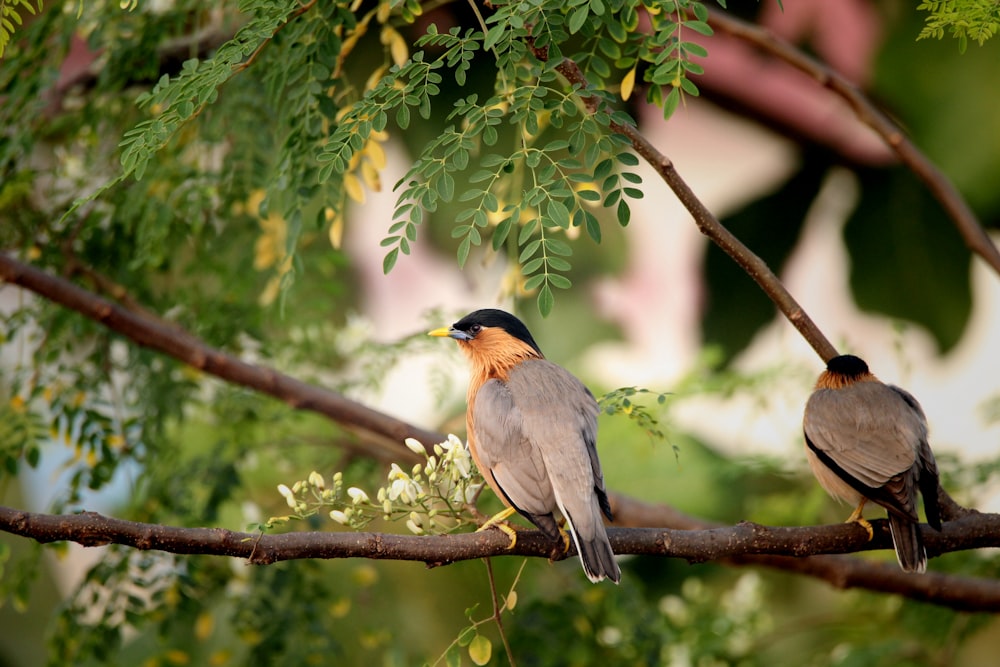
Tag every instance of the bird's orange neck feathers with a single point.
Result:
(828, 380)
(493, 352)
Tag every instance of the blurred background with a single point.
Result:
(90, 420)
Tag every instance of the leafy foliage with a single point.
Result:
(204, 163)
(11, 17)
(977, 20)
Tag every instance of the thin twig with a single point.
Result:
(498, 611)
(933, 178)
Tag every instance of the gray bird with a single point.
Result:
(532, 429)
(867, 441)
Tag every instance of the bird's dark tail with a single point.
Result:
(596, 556)
(909, 546)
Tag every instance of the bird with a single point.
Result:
(868, 441)
(532, 432)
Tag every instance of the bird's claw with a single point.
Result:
(499, 521)
(860, 520)
(867, 526)
(567, 540)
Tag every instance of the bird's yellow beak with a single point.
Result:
(449, 332)
(443, 332)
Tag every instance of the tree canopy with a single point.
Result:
(189, 346)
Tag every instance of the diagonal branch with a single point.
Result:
(176, 343)
(708, 224)
(787, 548)
(933, 178)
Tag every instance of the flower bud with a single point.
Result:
(415, 446)
(357, 495)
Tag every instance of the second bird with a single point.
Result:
(866, 440)
(532, 429)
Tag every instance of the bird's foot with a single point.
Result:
(499, 521)
(567, 539)
(861, 521)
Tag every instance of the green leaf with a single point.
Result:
(463, 250)
(559, 213)
(558, 264)
(534, 281)
(501, 232)
(577, 18)
(529, 250)
(624, 213)
(699, 27)
(560, 281)
(403, 117)
(466, 636)
(389, 260)
(558, 247)
(670, 104)
(593, 226)
(446, 186)
(627, 158)
(545, 300)
(527, 231)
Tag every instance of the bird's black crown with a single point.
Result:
(847, 364)
(493, 317)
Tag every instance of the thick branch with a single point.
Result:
(936, 181)
(707, 223)
(746, 542)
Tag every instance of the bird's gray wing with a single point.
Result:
(507, 455)
(559, 419)
(926, 465)
(871, 437)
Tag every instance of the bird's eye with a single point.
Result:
(474, 329)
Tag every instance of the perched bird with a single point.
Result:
(532, 429)
(866, 440)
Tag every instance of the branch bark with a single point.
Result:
(786, 548)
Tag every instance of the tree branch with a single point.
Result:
(184, 347)
(789, 548)
(629, 512)
(936, 181)
(707, 223)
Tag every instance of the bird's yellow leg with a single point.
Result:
(858, 519)
(567, 540)
(498, 520)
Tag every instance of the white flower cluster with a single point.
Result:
(432, 496)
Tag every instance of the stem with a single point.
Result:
(498, 610)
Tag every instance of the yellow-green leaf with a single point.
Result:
(628, 84)
(480, 650)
